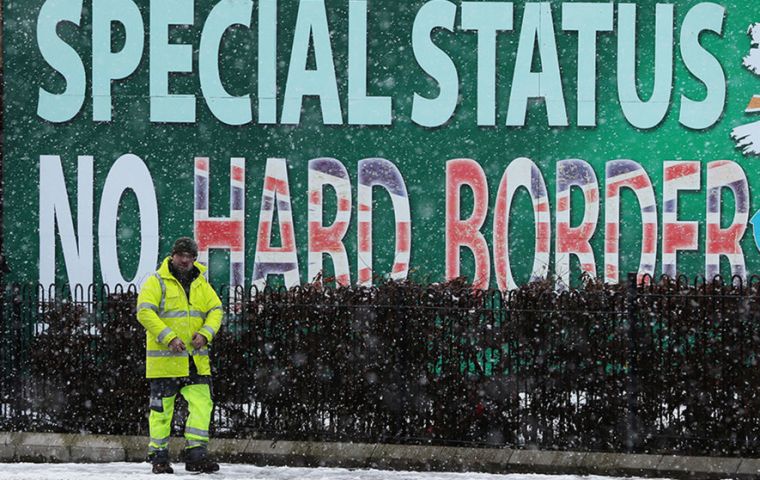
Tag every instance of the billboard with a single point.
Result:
(355, 140)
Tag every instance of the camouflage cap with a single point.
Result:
(185, 245)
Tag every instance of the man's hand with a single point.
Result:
(199, 341)
(177, 345)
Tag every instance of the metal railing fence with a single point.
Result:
(659, 367)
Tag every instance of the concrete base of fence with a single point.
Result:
(52, 447)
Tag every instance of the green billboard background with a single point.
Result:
(420, 153)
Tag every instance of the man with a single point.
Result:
(181, 314)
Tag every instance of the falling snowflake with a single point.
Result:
(747, 136)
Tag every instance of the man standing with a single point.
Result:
(181, 314)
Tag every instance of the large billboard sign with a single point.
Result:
(351, 140)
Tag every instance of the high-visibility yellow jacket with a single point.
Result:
(165, 312)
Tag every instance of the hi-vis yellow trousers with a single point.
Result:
(163, 392)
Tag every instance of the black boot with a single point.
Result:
(160, 461)
(162, 468)
(202, 466)
(196, 460)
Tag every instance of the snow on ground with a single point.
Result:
(141, 471)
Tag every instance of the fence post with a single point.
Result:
(15, 330)
(632, 440)
(6, 355)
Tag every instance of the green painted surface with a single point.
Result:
(419, 152)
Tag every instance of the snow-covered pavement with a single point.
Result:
(141, 471)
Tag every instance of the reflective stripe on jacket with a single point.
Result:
(163, 309)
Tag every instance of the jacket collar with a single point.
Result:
(164, 271)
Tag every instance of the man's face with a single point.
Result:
(183, 261)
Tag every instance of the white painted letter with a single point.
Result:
(55, 209)
(129, 172)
